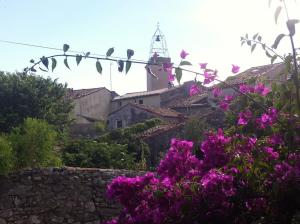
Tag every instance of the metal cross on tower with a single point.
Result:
(158, 44)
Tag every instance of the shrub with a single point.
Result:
(6, 156)
(33, 143)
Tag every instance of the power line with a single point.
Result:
(59, 49)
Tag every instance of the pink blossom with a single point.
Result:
(246, 89)
(270, 152)
(194, 90)
(261, 89)
(203, 65)
(235, 69)
(244, 117)
(228, 98)
(183, 54)
(171, 77)
(224, 105)
(209, 77)
(216, 92)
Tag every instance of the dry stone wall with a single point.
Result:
(58, 195)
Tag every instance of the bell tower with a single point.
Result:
(157, 78)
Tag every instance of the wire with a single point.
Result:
(59, 49)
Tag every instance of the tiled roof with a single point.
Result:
(256, 72)
(164, 112)
(158, 130)
(139, 94)
(76, 94)
(187, 101)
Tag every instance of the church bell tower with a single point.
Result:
(157, 78)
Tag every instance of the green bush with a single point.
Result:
(6, 156)
(88, 153)
(33, 144)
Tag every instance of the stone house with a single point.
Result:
(132, 113)
(90, 106)
(155, 98)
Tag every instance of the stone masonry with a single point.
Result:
(58, 195)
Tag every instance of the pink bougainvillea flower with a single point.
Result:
(235, 69)
(261, 89)
(171, 77)
(244, 117)
(228, 98)
(216, 92)
(194, 90)
(183, 54)
(270, 152)
(246, 89)
(267, 119)
(203, 65)
(167, 66)
(209, 77)
(224, 105)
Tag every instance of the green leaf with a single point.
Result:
(246, 35)
(277, 12)
(87, 54)
(44, 70)
(291, 26)
(109, 52)
(31, 61)
(78, 58)
(54, 63)
(254, 37)
(99, 67)
(249, 42)
(253, 47)
(128, 65)
(45, 61)
(32, 69)
(178, 74)
(185, 63)
(268, 54)
(130, 53)
(259, 38)
(263, 46)
(66, 48)
(273, 59)
(277, 40)
(120, 65)
(242, 43)
(66, 63)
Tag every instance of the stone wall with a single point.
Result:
(57, 195)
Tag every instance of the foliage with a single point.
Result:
(6, 156)
(23, 96)
(89, 153)
(120, 149)
(249, 173)
(33, 144)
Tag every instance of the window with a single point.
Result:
(120, 103)
(119, 124)
(141, 101)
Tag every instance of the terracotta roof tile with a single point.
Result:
(79, 93)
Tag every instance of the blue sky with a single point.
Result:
(209, 30)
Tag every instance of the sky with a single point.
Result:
(209, 30)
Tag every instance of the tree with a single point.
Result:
(23, 96)
(33, 144)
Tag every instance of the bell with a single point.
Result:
(157, 38)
